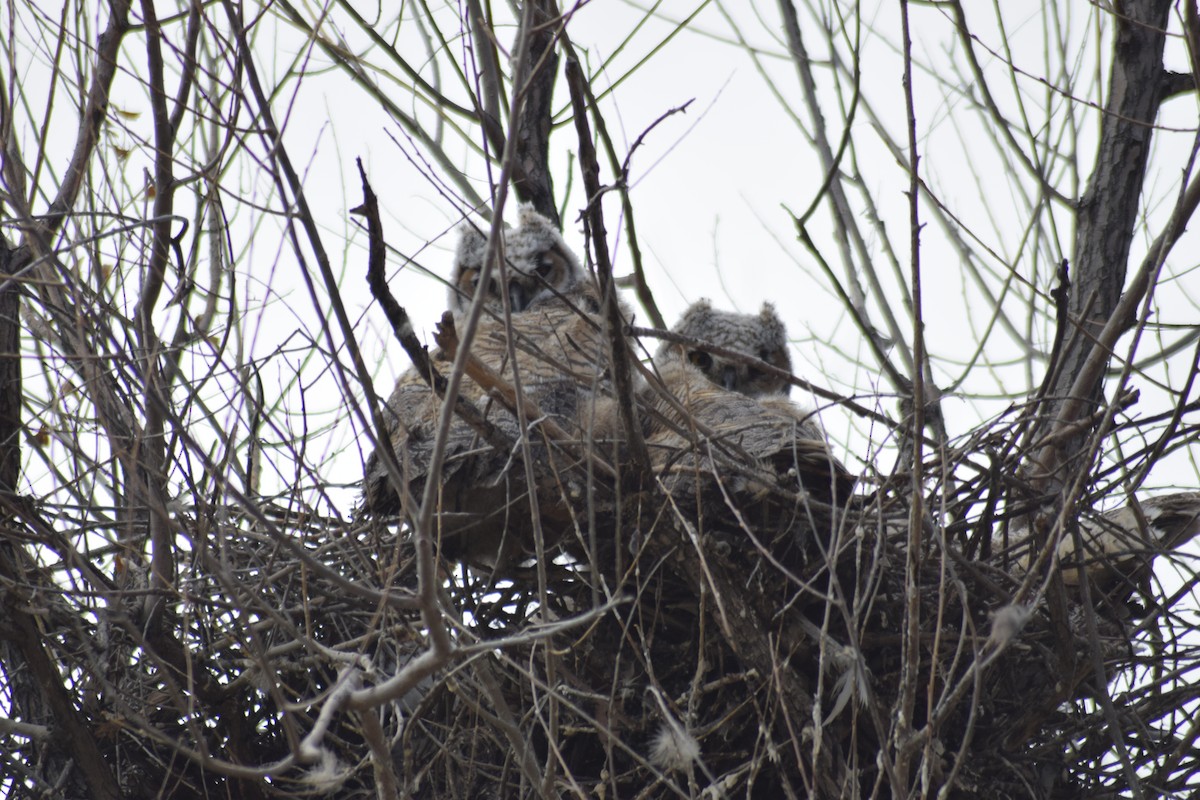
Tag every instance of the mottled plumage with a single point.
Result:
(1117, 549)
(725, 436)
(537, 264)
(773, 441)
(561, 368)
(761, 335)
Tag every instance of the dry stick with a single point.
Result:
(526, 158)
(1048, 544)
(484, 672)
(353, 67)
(1028, 427)
(642, 289)
(1161, 355)
(505, 719)
(39, 232)
(843, 217)
(11, 261)
(832, 167)
(494, 257)
(151, 474)
(13, 172)
(24, 634)
(1144, 281)
(910, 652)
(295, 549)
(734, 610)
(402, 329)
(381, 756)
(863, 323)
(1030, 421)
(846, 227)
(488, 64)
(381, 44)
(76, 738)
(79, 741)
(1096, 662)
(963, 754)
(440, 644)
(594, 216)
(1172, 425)
(1036, 170)
(94, 115)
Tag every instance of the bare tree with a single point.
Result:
(195, 603)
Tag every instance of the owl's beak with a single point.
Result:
(729, 378)
(516, 297)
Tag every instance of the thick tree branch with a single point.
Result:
(95, 112)
(1107, 213)
(20, 633)
(533, 77)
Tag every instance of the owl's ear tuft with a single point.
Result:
(774, 331)
(471, 245)
(695, 318)
(693, 323)
(530, 217)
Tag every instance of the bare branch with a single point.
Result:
(615, 324)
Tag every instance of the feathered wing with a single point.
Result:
(553, 347)
(562, 361)
(550, 365)
(411, 414)
(745, 462)
(1118, 545)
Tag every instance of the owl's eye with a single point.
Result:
(700, 358)
(493, 287)
(545, 267)
(764, 354)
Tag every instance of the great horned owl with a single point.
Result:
(554, 345)
(730, 437)
(537, 265)
(761, 335)
(554, 348)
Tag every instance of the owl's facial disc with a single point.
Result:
(551, 272)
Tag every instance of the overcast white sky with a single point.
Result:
(710, 187)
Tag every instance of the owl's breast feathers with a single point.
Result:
(757, 445)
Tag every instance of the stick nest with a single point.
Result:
(681, 642)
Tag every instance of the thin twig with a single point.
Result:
(594, 217)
